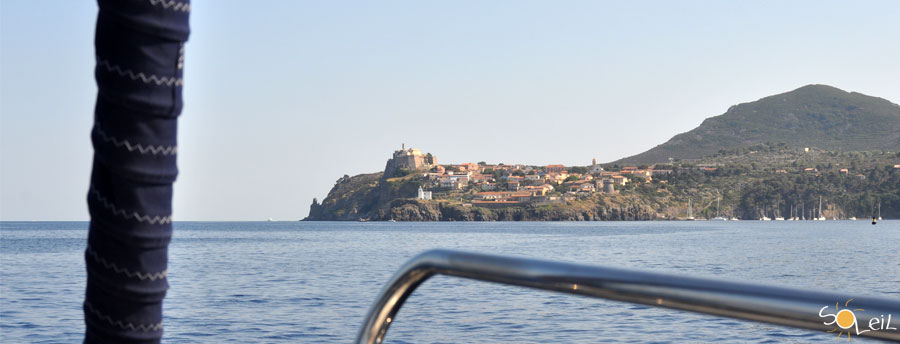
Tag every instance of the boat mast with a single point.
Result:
(690, 208)
(820, 207)
(717, 207)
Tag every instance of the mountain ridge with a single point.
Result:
(814, 115)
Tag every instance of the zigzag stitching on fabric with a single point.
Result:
(122, 324)
(123, 213)
(176, 6)
(140, 275)
(164, 150)
(158, 80)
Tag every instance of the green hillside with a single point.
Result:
(816, 116)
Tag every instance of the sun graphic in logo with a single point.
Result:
(845, 319)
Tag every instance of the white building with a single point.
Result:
(595, 168)
(426, 195)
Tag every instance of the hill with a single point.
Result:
(817, 116)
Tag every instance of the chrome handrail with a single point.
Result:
(777, 305)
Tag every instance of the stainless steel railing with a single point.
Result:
(783, 306)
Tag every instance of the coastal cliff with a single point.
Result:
(416, 210)
(370, 197)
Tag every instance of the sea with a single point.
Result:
(313, 282)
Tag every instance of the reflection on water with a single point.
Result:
(313, 282)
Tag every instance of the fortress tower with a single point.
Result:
(410, 159)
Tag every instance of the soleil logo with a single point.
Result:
(846, 320)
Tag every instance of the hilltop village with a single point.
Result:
(501, 185)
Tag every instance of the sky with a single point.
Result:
(282, 98)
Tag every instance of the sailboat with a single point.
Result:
(820, 217)
(690, 210)
(718, 218)
(776, 210)
(764, 217)
(879, 211)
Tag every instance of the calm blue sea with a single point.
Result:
(287, 282)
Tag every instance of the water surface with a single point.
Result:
(286, 282)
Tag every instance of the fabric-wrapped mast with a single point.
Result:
(139, 46)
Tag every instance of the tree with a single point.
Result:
(561, 188)
(578, 169)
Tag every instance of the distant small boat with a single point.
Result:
(718, 218)
(270, 220)
(734, 219)
(779, 218)
(764, 218)
(690, 210)
(852, 218)
(820, 218)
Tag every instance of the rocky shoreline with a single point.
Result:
(369, 197)
(416, 210)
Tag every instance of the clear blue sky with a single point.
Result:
(284, 97)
